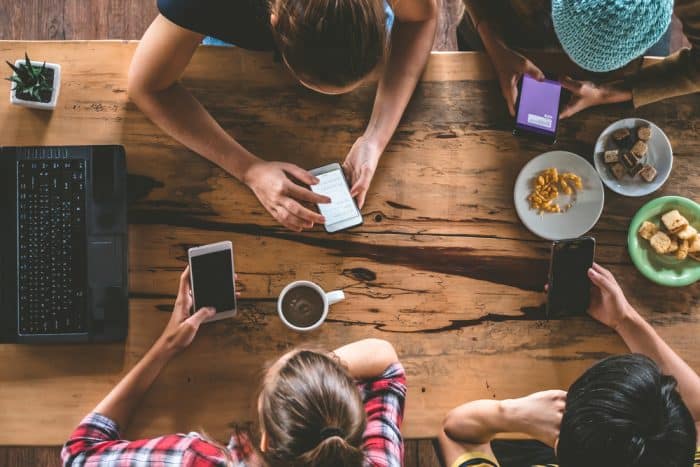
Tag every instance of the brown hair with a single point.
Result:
(312, 414)
(332, 42)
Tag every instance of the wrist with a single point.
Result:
(375, 142)
(629, 322)
(245, 173)
(616, 91)
(163, 349)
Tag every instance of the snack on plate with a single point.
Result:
(660, 242)
(611, 156)
(679, 237)
(647, 230)
(682, 252)
(694, 246)
(687, 233)
(644, 132)
(618, 170)
(674, 222)
(648, 173)
(639, 149)
(621, 135)
(546, 190)
(630, 152)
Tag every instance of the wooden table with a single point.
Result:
(442, 267)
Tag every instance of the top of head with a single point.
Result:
(624, 411)
(330, 45)
(308, 393)
(604, 35)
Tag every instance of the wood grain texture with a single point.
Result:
(442, 268)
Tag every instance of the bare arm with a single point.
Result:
(159, 61)
(411, 41)
(610, 307)
(178, 334)
(367, 358)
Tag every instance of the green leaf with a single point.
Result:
(14, 68)
(28, 63)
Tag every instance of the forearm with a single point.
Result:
(641, 338)
(179, 114)
(477, 422)
(121, 401)
(367, 358)
(411, 45)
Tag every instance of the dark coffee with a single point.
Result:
(302, 306)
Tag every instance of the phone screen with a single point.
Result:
(342, 207)
(538, 105)
(212, 281)
(569, 285)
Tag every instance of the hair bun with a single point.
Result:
(329, 432)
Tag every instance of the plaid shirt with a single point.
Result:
(97, 442)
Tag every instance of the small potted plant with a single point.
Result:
(35, 84)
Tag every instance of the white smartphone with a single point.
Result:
(212, 279)
(342, 212)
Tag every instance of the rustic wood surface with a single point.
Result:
(442, 267)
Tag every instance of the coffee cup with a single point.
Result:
(303, 305)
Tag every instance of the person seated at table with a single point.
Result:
(330, 47)
(639, 409)
(599, 36)
(315, 408)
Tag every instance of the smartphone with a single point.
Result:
(537, 109)
(212, 279)
(569, 290)
(342, 212)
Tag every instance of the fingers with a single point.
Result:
(184, 288)
(361, 186)
(574, 106)
(303, 194)
(532, 70)
(510, 94)
(571, 84)
(605, 272)
(200, 316)
(289, 220)
(600, 280)
(305, 214)
(299, 173)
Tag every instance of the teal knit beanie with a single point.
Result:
(604, 35)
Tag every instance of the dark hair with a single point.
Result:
(312, 414)
(624, 412)
(332, 42)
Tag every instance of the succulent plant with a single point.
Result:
(29, 79)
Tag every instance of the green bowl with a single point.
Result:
(663, 269)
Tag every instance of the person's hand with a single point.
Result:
(510, 66)
(282, 197)
(608, 302)
(360, 165)
(182, 327)
(538, 415)
(586, 94)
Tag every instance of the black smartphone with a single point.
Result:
(569, 291)
(537, 109)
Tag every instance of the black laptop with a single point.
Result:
(63, 245)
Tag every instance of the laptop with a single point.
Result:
(63, 245)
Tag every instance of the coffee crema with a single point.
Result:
(302, 306)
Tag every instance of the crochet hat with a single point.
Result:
(603, 35)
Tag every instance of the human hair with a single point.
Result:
(312, 413)
(330, 42)
(624, 412)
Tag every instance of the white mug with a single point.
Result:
(329, 298)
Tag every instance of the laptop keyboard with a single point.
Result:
(51, 246)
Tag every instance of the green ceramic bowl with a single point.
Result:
(663, 269)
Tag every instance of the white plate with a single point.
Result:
(586, 209)
(659, 154)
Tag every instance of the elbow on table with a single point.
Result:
(384, 350)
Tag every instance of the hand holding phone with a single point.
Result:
(213, 279)
(342, 212)
(569, 287)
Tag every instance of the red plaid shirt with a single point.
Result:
(97, 442)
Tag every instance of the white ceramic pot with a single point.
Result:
(54, 95)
